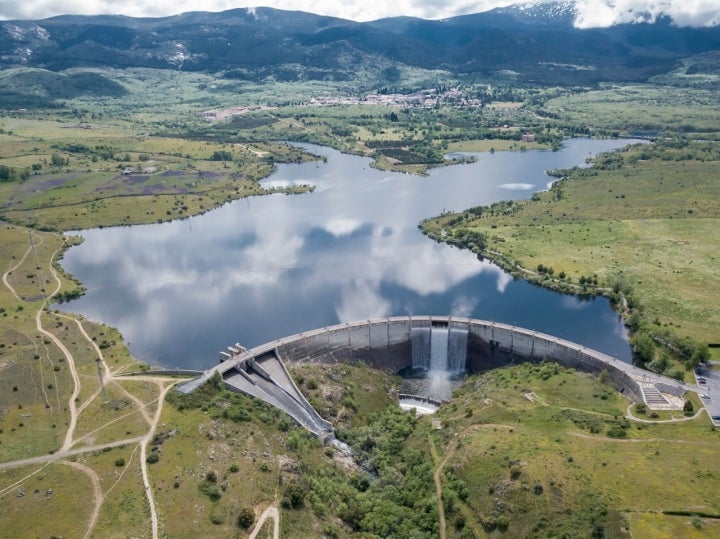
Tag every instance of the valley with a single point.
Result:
(91, 445)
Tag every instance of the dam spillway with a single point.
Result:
(439, 347)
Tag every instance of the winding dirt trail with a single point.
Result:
(76, 380)
(13, 268)
(438, 488)
(65, 451)
(98, 497)
(629, 415)
(437, 476)
(273, 513)
(59, 455)
(143, 453)
(68, 356)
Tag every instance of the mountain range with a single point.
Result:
(535, 44)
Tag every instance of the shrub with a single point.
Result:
(211, 490)
(294, 496)
(616, 432)
(246, 518)
(688, 408)
(120, 462)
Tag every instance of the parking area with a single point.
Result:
(708, 381)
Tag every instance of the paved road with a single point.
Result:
(711, 389)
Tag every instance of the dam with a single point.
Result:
(451, 344)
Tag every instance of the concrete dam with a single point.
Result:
(421, 342)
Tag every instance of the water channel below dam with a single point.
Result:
(262, 268)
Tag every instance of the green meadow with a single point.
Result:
(526, 451)
(643, 217)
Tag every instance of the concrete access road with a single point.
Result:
(708, 381)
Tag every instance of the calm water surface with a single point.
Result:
(266, 267)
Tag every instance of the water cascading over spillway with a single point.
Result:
(457, 349)
(420, 343)
(439, 348)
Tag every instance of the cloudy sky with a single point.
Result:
(590, 12)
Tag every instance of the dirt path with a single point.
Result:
(252, 150)
(68, 357)
(273, 513)
(637, 440)
(7, 489)
(65, 451)
(58, 455)
(631, 417)
(16, 266)
(97, 493)
(107, 375)
(438, 487)
(437, 476)
(143, 453)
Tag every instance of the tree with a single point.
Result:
(246, 518)
(221, 155)
(58, 160)
(643, 348)
(688, 408)
(701, 354)
(294, 496)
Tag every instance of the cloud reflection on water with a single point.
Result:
(262, 268)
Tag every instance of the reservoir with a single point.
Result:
(262, 268)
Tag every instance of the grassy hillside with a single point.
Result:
(22, 88)
(642, 219)
(544, 452)
(521, 452)
(80, 175)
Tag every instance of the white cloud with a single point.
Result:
(353, 9)
(572, 303)
(517, 186)
(361, 300)
(590, 12)
(342, 226)
(464, 306)
(603, 13)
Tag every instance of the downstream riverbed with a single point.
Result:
(262, 268)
